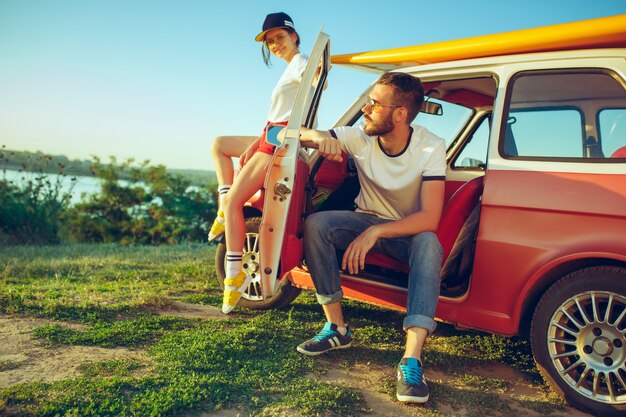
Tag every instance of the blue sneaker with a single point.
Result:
(412, 387)
(327, 339)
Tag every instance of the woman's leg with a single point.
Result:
(249, 180)
(225, 148)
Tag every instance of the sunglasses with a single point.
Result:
(376, 106)
(277, 39)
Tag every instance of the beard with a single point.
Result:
(381, 128)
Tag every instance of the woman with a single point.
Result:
(279, 38)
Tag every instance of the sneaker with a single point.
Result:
(327, 339)
(218, 228)
(233, 290)
(412, 387)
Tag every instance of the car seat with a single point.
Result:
(455, 213)
(619, 153)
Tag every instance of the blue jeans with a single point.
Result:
(326, 231)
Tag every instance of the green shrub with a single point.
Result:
(32, 212)
(150, 207)
(137, 204)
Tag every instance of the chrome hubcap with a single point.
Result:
(251, 265)
(586, 343)
(602, 346)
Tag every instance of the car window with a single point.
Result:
(318, 84)
(313, 84)
(474, 152)
(448, 124)
(612, 127)
(555, 133)
(559, 115)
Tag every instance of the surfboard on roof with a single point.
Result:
(604, 32)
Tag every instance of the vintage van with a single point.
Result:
(534, 226)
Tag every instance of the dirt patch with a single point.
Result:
(192, 311)
(24, 359)
(371, 380)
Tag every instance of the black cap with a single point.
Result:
(275, 21)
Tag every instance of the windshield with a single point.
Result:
(447, 125)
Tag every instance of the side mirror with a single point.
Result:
(271, 135)
(430, 107)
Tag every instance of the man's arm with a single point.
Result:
(327, 146)
(425, 220)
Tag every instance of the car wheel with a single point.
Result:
(252, 297)
(578, 337)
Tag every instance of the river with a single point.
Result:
(81, 188)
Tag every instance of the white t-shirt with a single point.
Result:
(391, 185)
(284, 94)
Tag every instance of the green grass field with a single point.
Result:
(108, 296)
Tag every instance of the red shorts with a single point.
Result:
(264, 146)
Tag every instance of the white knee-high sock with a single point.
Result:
(233, 263)
(222, 190)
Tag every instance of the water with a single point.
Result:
(82, 188)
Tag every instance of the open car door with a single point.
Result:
(280, 177)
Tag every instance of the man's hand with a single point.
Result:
(354, 256)
(328, 147)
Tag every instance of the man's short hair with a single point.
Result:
(408, 91)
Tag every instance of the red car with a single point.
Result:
(534, 228)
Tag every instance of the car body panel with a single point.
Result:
(531, 220)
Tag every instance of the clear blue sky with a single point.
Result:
(157, 80)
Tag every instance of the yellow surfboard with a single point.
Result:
(604, 32)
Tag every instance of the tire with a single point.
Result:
(578, 337)
(252, 298)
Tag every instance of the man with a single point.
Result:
(401, 171)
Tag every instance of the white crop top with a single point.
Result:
(284, 94)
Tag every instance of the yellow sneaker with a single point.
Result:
(233, 290)
(218, 228)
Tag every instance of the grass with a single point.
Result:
(247, 362)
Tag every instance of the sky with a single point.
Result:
(158, 80)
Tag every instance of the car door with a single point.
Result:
(281, 175)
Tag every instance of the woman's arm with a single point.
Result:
(247, 154)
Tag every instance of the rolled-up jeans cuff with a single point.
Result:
(418, 320)
(330, 299)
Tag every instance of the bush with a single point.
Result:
(150, 207)
(138, 204)
(32, 212)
